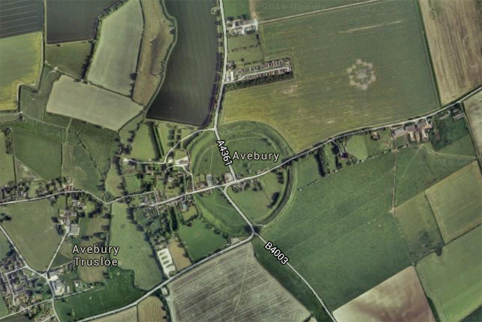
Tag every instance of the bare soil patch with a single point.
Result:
(400, 298)
(454, 35)
(178, 253)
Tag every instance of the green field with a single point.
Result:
(4, 246)
(452, 281)
(3, 307)
(34, 102)
(133, 184)
(243, 137)
(217, 210)
(448, 131)
(71, 58)
(463, 146)
(38, 146)
(290, 281)
(337, 230)
(144, 146)
(419, 228)
(260, 205)
(103, 108)
(115, 59)
(420, 167)
(383, 144)
(320, 101)
(456, 202)
(79, 166)
(116, 292)
(236, 8)
(205, 157)
(356, 146)
(244, 49)
(33, 231)
(270, 9)
(101, 143)
(200, 241)
(7, 165)
(113, 182)
(135, 252)
(20, 63)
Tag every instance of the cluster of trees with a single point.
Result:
(8, 140)
(259, 81)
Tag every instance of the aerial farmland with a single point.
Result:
(456, 271)
(240, 160)
(20, 61)
(473, 106)
(237, 276)
(83, 19)
(98, 108)
(278, 9)
(20, 17)
(157, 41)
(455, 54)
(186, 96)
(322, 99)
(460, 212)
(111, 67)
(400, 298)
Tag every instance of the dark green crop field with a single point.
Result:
(71, 58)
(185, 96)
(81, 16)
(20, 17)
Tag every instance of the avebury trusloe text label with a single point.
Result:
(102, 261)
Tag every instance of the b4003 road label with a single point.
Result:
(223, 150)
(276, 252)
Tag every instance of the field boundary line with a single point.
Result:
(253, 232)
(318, 11)
(67, 231)
(307, 284)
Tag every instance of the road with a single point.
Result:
(225, 186)
(223, 77)
(253, 234)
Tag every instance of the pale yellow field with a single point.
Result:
(400, 298)
(150, 310)
(454, 35)
(91, 104)
(115, 59)
(178, 255)
(20, 63)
